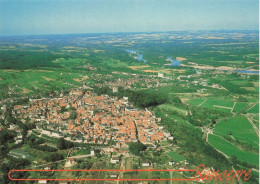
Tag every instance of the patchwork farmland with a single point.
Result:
(235, 135)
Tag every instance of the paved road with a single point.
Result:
(251, 107)
(233, 106)
(81, 156)
(45, 164)
(202, 102)
(122, 166)
(171, 175)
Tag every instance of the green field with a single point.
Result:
(240, 128)
(171, 108)
(231, 150)
(181, 121)
(175, 156)
(219, 105)
(255, 109)
(242, 83)
(224, 103)
(195, 101)
(33, 80)
(240, 106)
(82, 152)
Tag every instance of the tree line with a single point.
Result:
(141, 98)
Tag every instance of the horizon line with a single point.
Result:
(131, 32)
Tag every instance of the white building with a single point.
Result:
(146, 164)
(115, 89)
(171, 163)
(112, 175)
(115, 160)
(170, 138)
(46, 132)
(160, 75)
(42, 181)
(71, 162)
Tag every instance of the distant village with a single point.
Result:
(133, 81)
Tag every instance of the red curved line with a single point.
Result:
(51, 179)
(123, 179)
(164, 170)
(9, 173)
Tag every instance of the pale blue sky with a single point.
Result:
(30, 17)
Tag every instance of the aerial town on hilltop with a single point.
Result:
(92, 119)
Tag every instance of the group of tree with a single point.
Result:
(136, 147)
(6, 137)
(104, 90)
(64, 144)
(53, 157)
(143, 98)
(13, 163)
(140, 98)
(18, 59)
(229, 86)
(36, 144)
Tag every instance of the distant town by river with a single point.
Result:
(175, 62)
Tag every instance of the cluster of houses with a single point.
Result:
(88, 118)
(133, 81)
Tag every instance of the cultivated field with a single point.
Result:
(240, 106)
(169, 107)
(240, 128)
(230, 150)
(195, 101)
(254, 109)
(175, 156)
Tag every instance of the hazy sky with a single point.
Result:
(30, 17)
